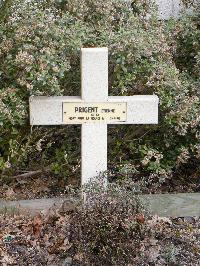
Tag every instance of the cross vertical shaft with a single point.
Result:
(94, 88)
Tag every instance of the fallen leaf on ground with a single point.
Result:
(37, 225)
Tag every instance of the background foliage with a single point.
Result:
(40, 45)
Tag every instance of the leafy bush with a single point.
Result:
(40, 55)
(187, 37)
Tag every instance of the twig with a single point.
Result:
(32, 173)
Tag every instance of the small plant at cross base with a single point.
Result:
(108, 227)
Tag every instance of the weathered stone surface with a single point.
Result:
(169, 8)
(33, 206)
(174, 205)
(168, 205)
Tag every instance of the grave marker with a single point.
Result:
(93, 110)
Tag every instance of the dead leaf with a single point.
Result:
(6, 259)
(140, 218)
(56, 246)
(21, 181)
(66, 245)
(157, 220)
(37, 225)
(79, 257)
(10, 192)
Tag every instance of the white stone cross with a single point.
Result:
(93, 110)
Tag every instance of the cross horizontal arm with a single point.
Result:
(141, 109)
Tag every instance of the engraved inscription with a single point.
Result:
(79, 113)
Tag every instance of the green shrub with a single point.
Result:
(40, 45)
(187, 37)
